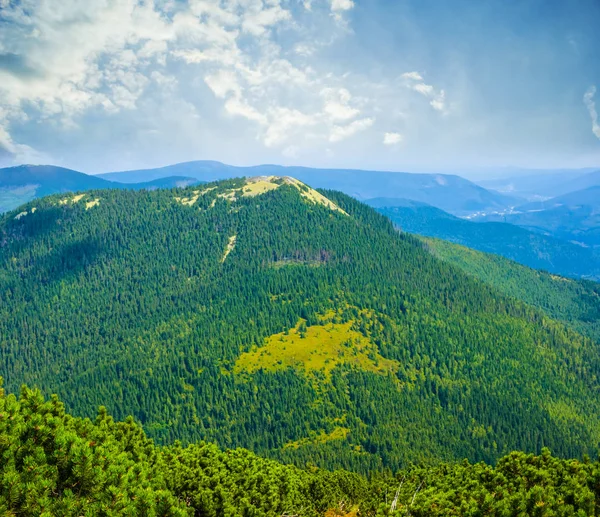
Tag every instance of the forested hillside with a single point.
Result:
(574, 302)
(54, 464)
(298, 324)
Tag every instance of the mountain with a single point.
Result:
(55, 464)
(574, 216)
(21, 184)
(538, 185)
(297, 323)
(541, 184)
(448, 192)
(574, 302)
(582, 182)
(516, 243)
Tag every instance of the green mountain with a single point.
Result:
(299, 324)
(527, 247)
(21, 184)
(54, 464)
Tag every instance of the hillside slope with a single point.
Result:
(574, 302)
(519, 244)
(449, 192)
(298, 324)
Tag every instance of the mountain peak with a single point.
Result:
(259, 185)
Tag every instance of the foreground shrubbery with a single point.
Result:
(52, 464)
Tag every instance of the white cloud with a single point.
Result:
(258, 18)
(19, 153)
(238, 106)
(415, 76)
(282, 122)
(111, 58)
(439, 101)
(337, 104)
(339, 133)
(437, 98)
(590, 104)
(392, 138)
(341, 5)
(423, 89)
(222, 83)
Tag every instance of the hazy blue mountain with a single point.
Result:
(574, 216)
(21, 184)
(519, 244)
(543, 184)
(591, 179)
(449, 192)
(586, 197)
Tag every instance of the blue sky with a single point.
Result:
(101, 85)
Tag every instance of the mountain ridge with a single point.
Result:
(23, 183)
(449, 191)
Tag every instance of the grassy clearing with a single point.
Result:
(92, 203)
(72, 200)
(339, 433)
(262, 184)
(316, 348)
(258, 186)
(189, 201)
(230, 246)
(313, 196)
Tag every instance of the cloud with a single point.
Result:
(392, 138)
(337, 104)
(339, 133)
(415, 76)
(338, 8)
(244, 68)
(341, 5)
(588, 100)
(222, 83)
(18, 153)
(437, 98)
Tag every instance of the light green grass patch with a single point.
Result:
(338, 433)
(230, 246)
(316, 348)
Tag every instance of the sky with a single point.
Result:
(412, 85)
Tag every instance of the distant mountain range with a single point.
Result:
(448, 192)
(21, 184)
(574, 216)
(543, 184)
(519, 244)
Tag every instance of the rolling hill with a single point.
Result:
(21, 184)
(448, 192)
(296, 323)
(514, 242)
